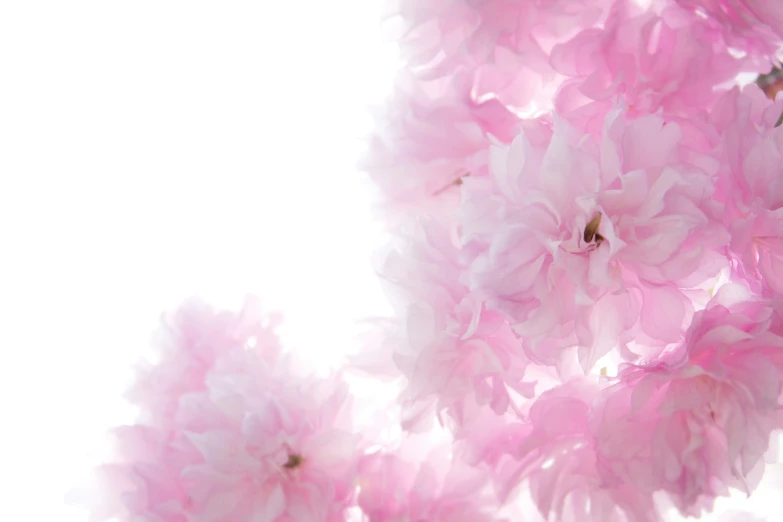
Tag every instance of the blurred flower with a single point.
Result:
(230, 431)
(750, 185)
(410, 486)
(754, 26)
(699, 421)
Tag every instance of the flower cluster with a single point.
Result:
(586, 274)
(693, 425)
(588, 313)
(472, 67)
(660, 59)
(699, 420)
(230, 431)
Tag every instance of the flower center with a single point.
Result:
(591, 231)
(294, 461)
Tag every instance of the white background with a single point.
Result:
(152, 150)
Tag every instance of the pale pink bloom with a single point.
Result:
(239, 435)
(653, 235)
(398, 487)
(276, 457)
(751, 185)
(657, 59)
(470, 68)
(422, 264)
(446, 344)
(748, 25)
(549, 454)
(700, 420)
(143, 480)
(188, 344)
(426, 139)
(498, 48)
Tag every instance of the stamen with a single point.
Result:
(294, 461)
(591, 230)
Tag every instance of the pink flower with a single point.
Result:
(749, 25)
(276, 456)
(446, 344)
(498, 47)
(550, 454)
(468, 76)
(656, 59)
(427, 138)
(750, 186)
(403, 487)
(189, 344)
(143, 480)
(700, 421)
(238, 435)
(593, 243)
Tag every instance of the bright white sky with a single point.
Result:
(151, 150)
